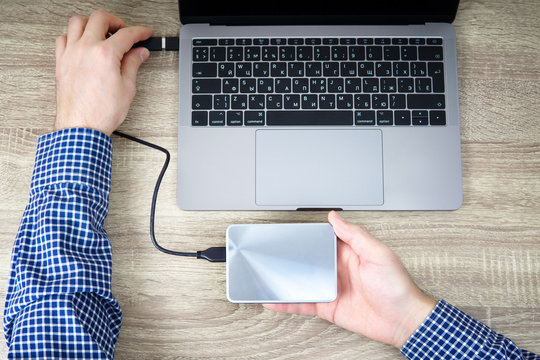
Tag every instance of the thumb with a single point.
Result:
(132, 61)
(361, 241)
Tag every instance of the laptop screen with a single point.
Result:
(249, 12)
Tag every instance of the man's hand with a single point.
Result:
(95, 74)
(376, 296)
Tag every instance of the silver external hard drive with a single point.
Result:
(281, 263)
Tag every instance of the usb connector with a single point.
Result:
(159, 43)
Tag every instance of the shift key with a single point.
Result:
(425, 101)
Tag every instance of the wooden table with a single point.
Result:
(484, 257)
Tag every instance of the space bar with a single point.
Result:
(280, 118)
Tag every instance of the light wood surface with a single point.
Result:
(483, 258)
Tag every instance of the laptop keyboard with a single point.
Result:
(318, 81)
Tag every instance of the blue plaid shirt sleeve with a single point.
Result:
(59, 302)
(449, 333)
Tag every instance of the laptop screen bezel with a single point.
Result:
(376, 17)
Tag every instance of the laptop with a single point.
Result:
(295, 105)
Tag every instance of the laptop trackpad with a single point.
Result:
(331, 168)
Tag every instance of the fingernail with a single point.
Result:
(145, 53)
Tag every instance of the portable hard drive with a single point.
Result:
(281, 263)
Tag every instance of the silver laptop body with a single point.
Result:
(365, 164)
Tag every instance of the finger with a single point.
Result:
(124, 38)
(361, 241)
(132, 61)
(76, 26)
(101, 23)
(60, 46)
(302, 309)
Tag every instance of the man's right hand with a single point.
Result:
(96, 73)
(376, 296)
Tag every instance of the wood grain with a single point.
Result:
(484, 257)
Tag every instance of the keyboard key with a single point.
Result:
(330, 41)
(339, 53)
(366, 117)
(235, 53)
(357, 53)
(265, 85)
(201, 102)
(397, 101)
(388, 85)
(391, 53)
(198, 42)
(300, 85)
(304, 53)
(252, 53)
(248, 86)
(420, 117)
(217, 118)
(425, 101)
(400, 41)
(364, 41)
(295, 41)
(278, 41)
(370, 85)
(243, 69)
(348, 69)
(430, 53)
(200, 54)
(335, 85)
(243, 41)
(344, 101)
(373, 52)
(239, 102)
(327, 101)
(437, 117)
(382, 41)
(365, 69)
(436, 71)
(317, 117)
(422, 85)
(408, 53)
(261, 41)
(434, 41)
(221, 102)
(256, 102)
(269, 53)
(217, 54)
(206, 86)
(199, 118)
(384, 117)
(331, 69)
(234, 118)
(405, 85)
(254, 118)
(313, 69)
(230, 85)
(226, 69)
(418, 69)
(321, 53)
(204, 70)
(402, 117)
(296, 69)
(347, 41)
(274, 101)
(309, 101)
(313, 41)
(362, 101)
(383, 68)
(226, 41)
(417, 41)
(317, 85)
(283, 85)
(401, 68)
(278, 69)
(379, 101)
(286, 53)
(353, 85)
(291, 101)
(261, 69)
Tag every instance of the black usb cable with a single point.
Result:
(213, 254)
